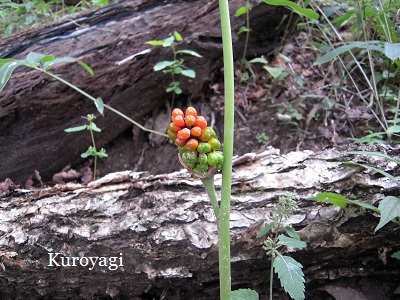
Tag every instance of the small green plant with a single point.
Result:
(262, 138)
(174, 67)
(91, 151)
(244, 10)
(288, 269)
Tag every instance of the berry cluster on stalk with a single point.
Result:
(197, 143)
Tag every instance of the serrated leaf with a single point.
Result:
(168, 41)
(155, 43)
(244, 294)
(396, 255)
(390, 209)
(291, 242)
(177, 36)
(292, 232)
(241, 11)
(188, 73)
(99, 105)
(75, 129)
(309, 13)
(189, 52)
(265, 230)
(161, 65)
(6, 71)
(291, 276)
(34, 58)
(332, 198)
(371, 45)
(392, 51)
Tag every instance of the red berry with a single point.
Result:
(177, 112)
(178, 121)
(183, 134)
(190, 120)
(179, 142)
(191, 111)
(196, 131)
(201, 122)
(192, 144)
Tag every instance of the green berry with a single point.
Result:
(204, 148)
(214, 143)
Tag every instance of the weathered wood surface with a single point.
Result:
(165, 229)
(35, 109)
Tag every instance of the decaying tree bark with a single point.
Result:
(163, 229)
(35, 109)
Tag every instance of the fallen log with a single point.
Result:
(157, 238)
(35, 109)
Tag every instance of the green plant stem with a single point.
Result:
(271, 277)
(95, 151)
(247, 35)
(94, 100)
(224, 216)
(208, 183)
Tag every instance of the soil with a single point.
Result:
(299, 111)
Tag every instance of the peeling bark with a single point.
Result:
(164, 229)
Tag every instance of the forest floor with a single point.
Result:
(306, 107)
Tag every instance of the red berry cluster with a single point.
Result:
(197, 143)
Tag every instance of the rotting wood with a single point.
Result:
(35, 109)
(165, 230)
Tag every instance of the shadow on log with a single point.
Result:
(35, 109)
(162, 230)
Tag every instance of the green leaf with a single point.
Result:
(372, 45)
(241, 11)
(99, 3)
(34, 58)
(188, 73)
(161, 65)
(99, 105)
(396, 255)
(190, 52)
(291, 276)
(244, 294)
(390, 209)
(86, 67)
(243, 29)
(47, 58)
(50, 63)
(332, 198)
(102, 153)
(265, 230)
(275, 72)
(260, 60)
(309, 13)
(75, 129)
(6, 71)
(177, 36)
(155, 43)
(94, 127)
(393, 129)
(291, 242)
(392, 51)
(292, 232)
(168, 42)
